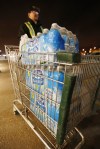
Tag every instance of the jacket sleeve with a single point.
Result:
(23, 30)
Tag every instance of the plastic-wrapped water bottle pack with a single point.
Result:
(46, 102)
(47, 85)
(50, 41)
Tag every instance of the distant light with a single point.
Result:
(90, 50)
(0, 50)
(82, 49)
(94, 47)
(85, 51)
(4, 55)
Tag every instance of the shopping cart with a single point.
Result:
(54, 92)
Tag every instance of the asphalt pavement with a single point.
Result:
(14, 132)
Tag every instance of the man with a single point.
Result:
(32, 26)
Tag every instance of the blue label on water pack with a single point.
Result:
(37, 77)
(37, 80)
(53, 110)
(33, 46)
(56, 87)
(28, 78)
(54, 93)
(56, 114)
(51, 89)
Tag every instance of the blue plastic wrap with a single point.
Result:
(55, 40)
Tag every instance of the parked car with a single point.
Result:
(96, 52)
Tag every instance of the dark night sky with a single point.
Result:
(81, 17)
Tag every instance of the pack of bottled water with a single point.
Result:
(37, 105)
(50, 41)
(71, 41)
(46, 97)
(47, 85)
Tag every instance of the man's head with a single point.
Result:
(33, 13)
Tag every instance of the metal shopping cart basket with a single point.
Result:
(54, 92)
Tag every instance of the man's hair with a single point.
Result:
(33, 8)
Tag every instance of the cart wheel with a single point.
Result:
(16, 112)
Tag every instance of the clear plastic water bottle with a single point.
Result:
(53, 111)
(45, 31)
(71, 42)
(55, 26)
(57, 113)
(76, 44)
(39, 34)
(49, 108)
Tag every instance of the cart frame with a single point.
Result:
(79, 75)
